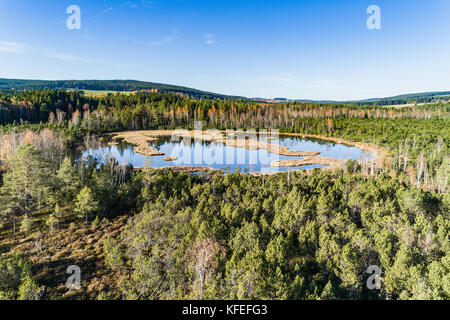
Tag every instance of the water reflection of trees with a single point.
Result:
(160, 141)
(172, 141)
(100, 148)
(290, 140)
(122, 147)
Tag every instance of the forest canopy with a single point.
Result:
(159, 234)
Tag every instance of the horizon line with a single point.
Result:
(240, 96)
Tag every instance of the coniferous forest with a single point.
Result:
(146, 233)
(224, 159)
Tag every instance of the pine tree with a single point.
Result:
(68, 180)
(26, 180)
(51, 222)
(85, 204)
(26, 225)
(29, 289)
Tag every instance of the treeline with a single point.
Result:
(36, 106)
(106, 85)
(413, 98)
(143, 110)
(418, 136)
(419, 147)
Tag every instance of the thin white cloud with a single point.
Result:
(275, 79)
(133, 40)
(69, 58)
(147, 4)
(103, 12)
(318, 84)
(165, 41)
(284, 78)
(289, 80)
(13, 47)
(128, 4)
(51, 53)
(125, 4)
(24, 48)
(209, 39)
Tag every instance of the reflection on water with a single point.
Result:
(219, 156)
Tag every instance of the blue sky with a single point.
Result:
(313, 49)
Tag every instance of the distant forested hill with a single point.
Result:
(112, 85)
(134, 85)
(424, 97)
(411, 98)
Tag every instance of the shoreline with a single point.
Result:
(330, 162)
(141, 138)
(139, 141)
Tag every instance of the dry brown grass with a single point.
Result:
(140, 140)
(53, 253)
(330, 162)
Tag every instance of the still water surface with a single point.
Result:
(219, 156)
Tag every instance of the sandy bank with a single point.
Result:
(170, 158)
(379, 153)
(187, 169)
(140, 141)
(330, 162)
(142, 138)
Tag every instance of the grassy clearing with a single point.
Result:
(78, 244)
(100, 93)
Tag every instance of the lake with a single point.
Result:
(217, 155)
